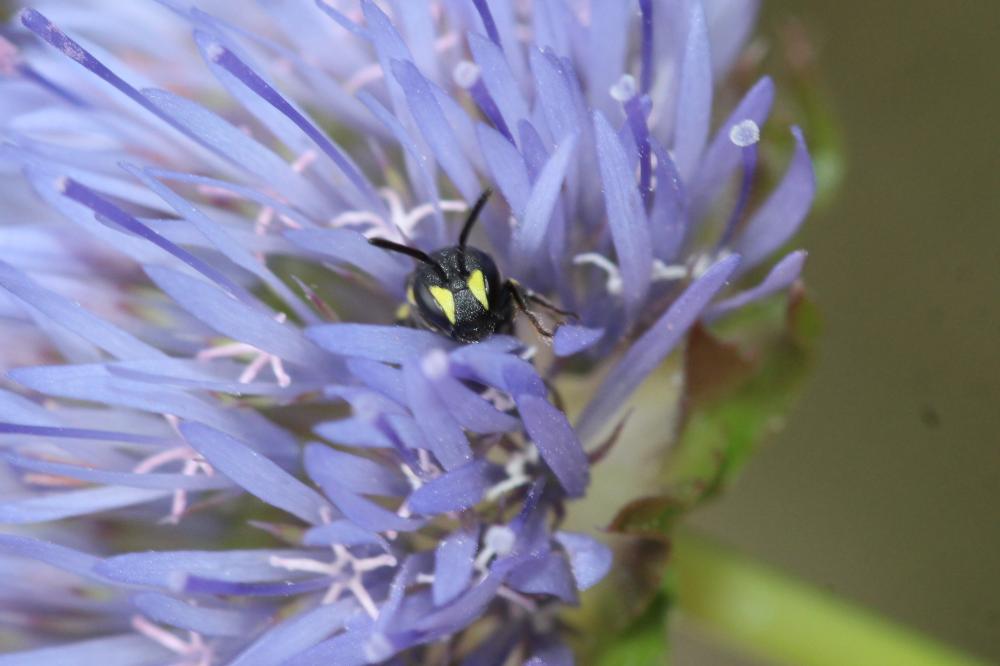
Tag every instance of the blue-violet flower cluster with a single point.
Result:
(199, 343)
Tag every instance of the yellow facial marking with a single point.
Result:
(446, 301)
(477, 285)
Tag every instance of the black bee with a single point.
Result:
(458, 290)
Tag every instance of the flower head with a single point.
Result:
(223, 323)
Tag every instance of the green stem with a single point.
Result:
(757, 609)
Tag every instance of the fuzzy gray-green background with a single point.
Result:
(885, 486)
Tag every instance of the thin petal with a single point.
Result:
(295, 635)
(556, 441)
(67, 559)
(152, 481)
(436, 129)
(171, 569)
(235, 319)
(694, 94)
(56, 506)
(723, 156)
(366, 514)
(257, 474)
(531, 233)
(454, 563)
(782, 276)
(779, 217)
(443, 434)
(590, 559)
(360, 475)
(73, 317)
(389, 344)
(459, 489)
(654, 345)
(570, 339)
(498, 79)
(124, 650)
(550, 575)
(507, 167)
(206, 621)
(626, 218)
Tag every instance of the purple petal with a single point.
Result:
(508, 169)
(556, 441)
(558, 103)
(607, 45)
(784, 273)
(234, 319)
(779, 217)
(360, 475)
(454, 564)
(669, 217)
(124, 650)
(67, 559)
(221, 240)
(500, 370)
(366, 514)
(296, 634)
(434, 126)
(171, 569)
(626, 218)
(362, 433)
(206, 621)
(105, 210)
(345, 246)
(694, 94)
(443, 434)
(723, 156)
(389, 344)
(570, 339)
(530, 234)
(344, 533)
(379, 377)
(459, 489)
(255, 473)
(235, 145)
(94, 384)
(499, 79)
(471, 410)
(347, 649)
(227, 60)
(73, 317)
(56, 506)
(152, 481)
(547, 575)
(649, 351)
(590, 559)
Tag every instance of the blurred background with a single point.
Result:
(883, 488)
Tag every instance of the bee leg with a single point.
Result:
(548, 305)
(519, 295)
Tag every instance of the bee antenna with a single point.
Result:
(470, 221)
(419, 255)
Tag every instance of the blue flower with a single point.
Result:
(215, 290)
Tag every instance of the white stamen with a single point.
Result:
(214, 51)
(625, 89)
(465, 74)
(500, 539)
(662, 271)
(744, 133)
(614, 283)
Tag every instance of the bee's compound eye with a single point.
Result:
(478, 287)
